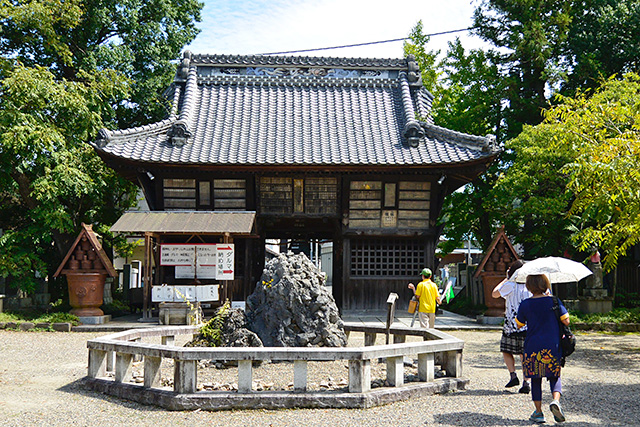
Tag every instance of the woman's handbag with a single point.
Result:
(413, 305)
(567, 339)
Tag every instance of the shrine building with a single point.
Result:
(342, 150)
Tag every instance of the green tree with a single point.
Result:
(602, 132)
(529, 35)
(426, 59)
(68, 68)
(603, 40)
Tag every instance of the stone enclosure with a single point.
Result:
(116, 353)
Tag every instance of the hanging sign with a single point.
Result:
(192, 260)
(225, 262)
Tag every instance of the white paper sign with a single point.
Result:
(207, 255)
(225, 262)
(177, 254)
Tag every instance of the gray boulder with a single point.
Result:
(291, 307)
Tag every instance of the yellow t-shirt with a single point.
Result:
(427, 291)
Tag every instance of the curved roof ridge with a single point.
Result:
(182, 129)
(485, 143)
(281, 60)
(106, 136)
(412, 130)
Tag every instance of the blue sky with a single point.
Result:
(265, 26)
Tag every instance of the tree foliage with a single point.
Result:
(539, 49)
(602, 133)
(68, 68)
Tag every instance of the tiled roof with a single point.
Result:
(265, 110)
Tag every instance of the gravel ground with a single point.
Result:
(39, 373)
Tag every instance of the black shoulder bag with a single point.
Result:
(567, 339)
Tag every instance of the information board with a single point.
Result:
(204, 261)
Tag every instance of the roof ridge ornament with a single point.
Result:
(183, 69)
(414, 76)
(103, 138)
(179, 134)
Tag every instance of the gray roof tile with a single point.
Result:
(292, 116)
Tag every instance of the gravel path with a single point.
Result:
(39, 370)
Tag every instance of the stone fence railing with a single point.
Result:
(116, 352)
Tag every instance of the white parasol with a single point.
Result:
(557, 269)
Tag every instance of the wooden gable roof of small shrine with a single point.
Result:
(87, 255)
(499, 255)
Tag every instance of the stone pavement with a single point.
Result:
(447, 321)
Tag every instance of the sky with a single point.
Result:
(267, 26)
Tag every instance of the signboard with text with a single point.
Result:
(204, 261)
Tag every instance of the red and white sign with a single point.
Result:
(225, 262)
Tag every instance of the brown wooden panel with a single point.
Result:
(364, 223)
(230, 204)
(364, 214)
(366, 185)
(414, 205)
(364, 204)
(229, 183)
(413, 214)
(413, 223)
(372, 293)
(179, 182)
(414, 195)
(229, 193)
(366, 195)
(298, 195)
(180, 203)
(179, 193)
(414, 185)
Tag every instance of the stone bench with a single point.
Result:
(117, 352)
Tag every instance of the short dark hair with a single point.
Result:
(538, 283)
(514, 267)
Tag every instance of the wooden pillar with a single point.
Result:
(146, 290)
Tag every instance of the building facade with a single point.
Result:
(332, 149)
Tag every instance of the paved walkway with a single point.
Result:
(446, 321)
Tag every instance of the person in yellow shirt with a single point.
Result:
(428, 294)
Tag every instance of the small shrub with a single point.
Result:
(60, 318)
(212, 330)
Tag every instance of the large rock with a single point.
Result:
(291, 307)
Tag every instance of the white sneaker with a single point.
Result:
(556, 409)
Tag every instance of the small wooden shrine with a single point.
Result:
(86, 267)
(493, 269)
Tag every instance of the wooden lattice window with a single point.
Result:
(229, 194)
(179, 193)
(386, 257)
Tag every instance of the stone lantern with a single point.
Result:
(86, 267)
(493, 269)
